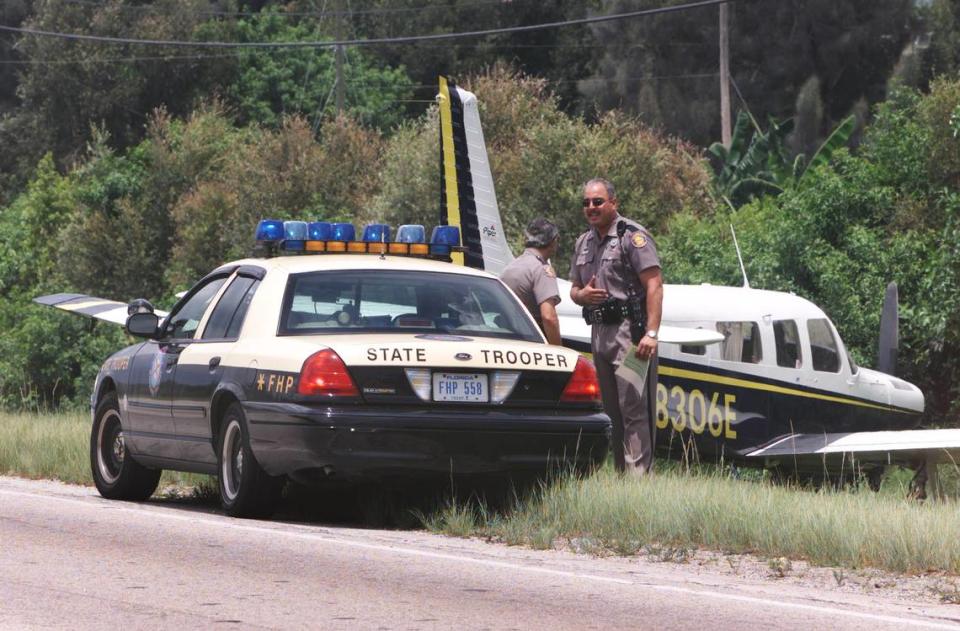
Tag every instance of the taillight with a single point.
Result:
(325, 374)
(583, 386)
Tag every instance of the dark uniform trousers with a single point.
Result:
(630, 412)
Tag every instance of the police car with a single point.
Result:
(356, 359)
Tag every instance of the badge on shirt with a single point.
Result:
(548, 270)
(638, 240)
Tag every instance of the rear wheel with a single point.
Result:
(116, 474)
(245, 488)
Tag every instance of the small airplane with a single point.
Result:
(746, 375)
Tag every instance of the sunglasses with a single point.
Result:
(596, 202)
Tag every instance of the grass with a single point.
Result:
(57, 446)
(675, 511)
(665, 516)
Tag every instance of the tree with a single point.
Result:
(664, 68)
(757, 162)
(301, 81)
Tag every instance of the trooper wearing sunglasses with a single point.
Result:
(532, 279)
(616, 277)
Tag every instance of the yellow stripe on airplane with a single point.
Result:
(754, 385)
(449, 163)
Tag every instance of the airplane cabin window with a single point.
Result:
(788, 343)
(741, 342)
(823, 346)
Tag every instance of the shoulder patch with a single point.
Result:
(638, 240)
(549, 271)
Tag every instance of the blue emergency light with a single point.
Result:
(443, 239)
(411, 233)
(376, 233)
(269, 230)
(319, 231)
(343, 232)
(294, 235)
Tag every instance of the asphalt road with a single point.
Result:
(71, 559)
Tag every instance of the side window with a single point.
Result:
(182, 323)
(788, 343)
(226, 310)
(234, 329)
(823, 346)
(741, 342)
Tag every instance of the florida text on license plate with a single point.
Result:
(458, 386)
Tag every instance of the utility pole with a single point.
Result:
(339, 53)
(725, 131)
(339, 63)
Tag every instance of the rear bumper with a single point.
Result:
(363, 442)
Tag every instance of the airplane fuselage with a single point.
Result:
(781, 369)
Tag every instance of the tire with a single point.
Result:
(245, 489)
(116, 474)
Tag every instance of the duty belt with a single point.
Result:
(615, 311)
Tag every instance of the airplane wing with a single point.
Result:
(90, 306)
(880, 446)
(576, 334)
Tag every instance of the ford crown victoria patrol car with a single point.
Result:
(340, 366)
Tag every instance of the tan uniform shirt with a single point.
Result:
(533, 280)
(600, 256)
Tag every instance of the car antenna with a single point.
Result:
(746, 283)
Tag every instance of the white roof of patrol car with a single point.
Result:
(295, 264)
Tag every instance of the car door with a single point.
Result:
(200, 368)
(153, 430)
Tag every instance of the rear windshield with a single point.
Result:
(361, 301)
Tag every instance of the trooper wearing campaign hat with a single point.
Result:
(532, 279)
(615, 276)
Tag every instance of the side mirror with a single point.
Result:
(143, 325)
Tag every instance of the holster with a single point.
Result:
(635, 308)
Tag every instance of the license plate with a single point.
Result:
(461, 387)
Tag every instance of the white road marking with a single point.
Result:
(322, 538)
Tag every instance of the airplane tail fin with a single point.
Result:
(889, 332)
(467, 196)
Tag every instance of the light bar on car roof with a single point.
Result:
(321, 236)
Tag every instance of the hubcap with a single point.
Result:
(231, 468)
(110, 447)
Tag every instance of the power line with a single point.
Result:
(366, 42)
(321, 13)
(200, 57)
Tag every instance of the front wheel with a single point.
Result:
(116, 474)
(245, 488)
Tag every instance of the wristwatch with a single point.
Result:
(652, 333)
